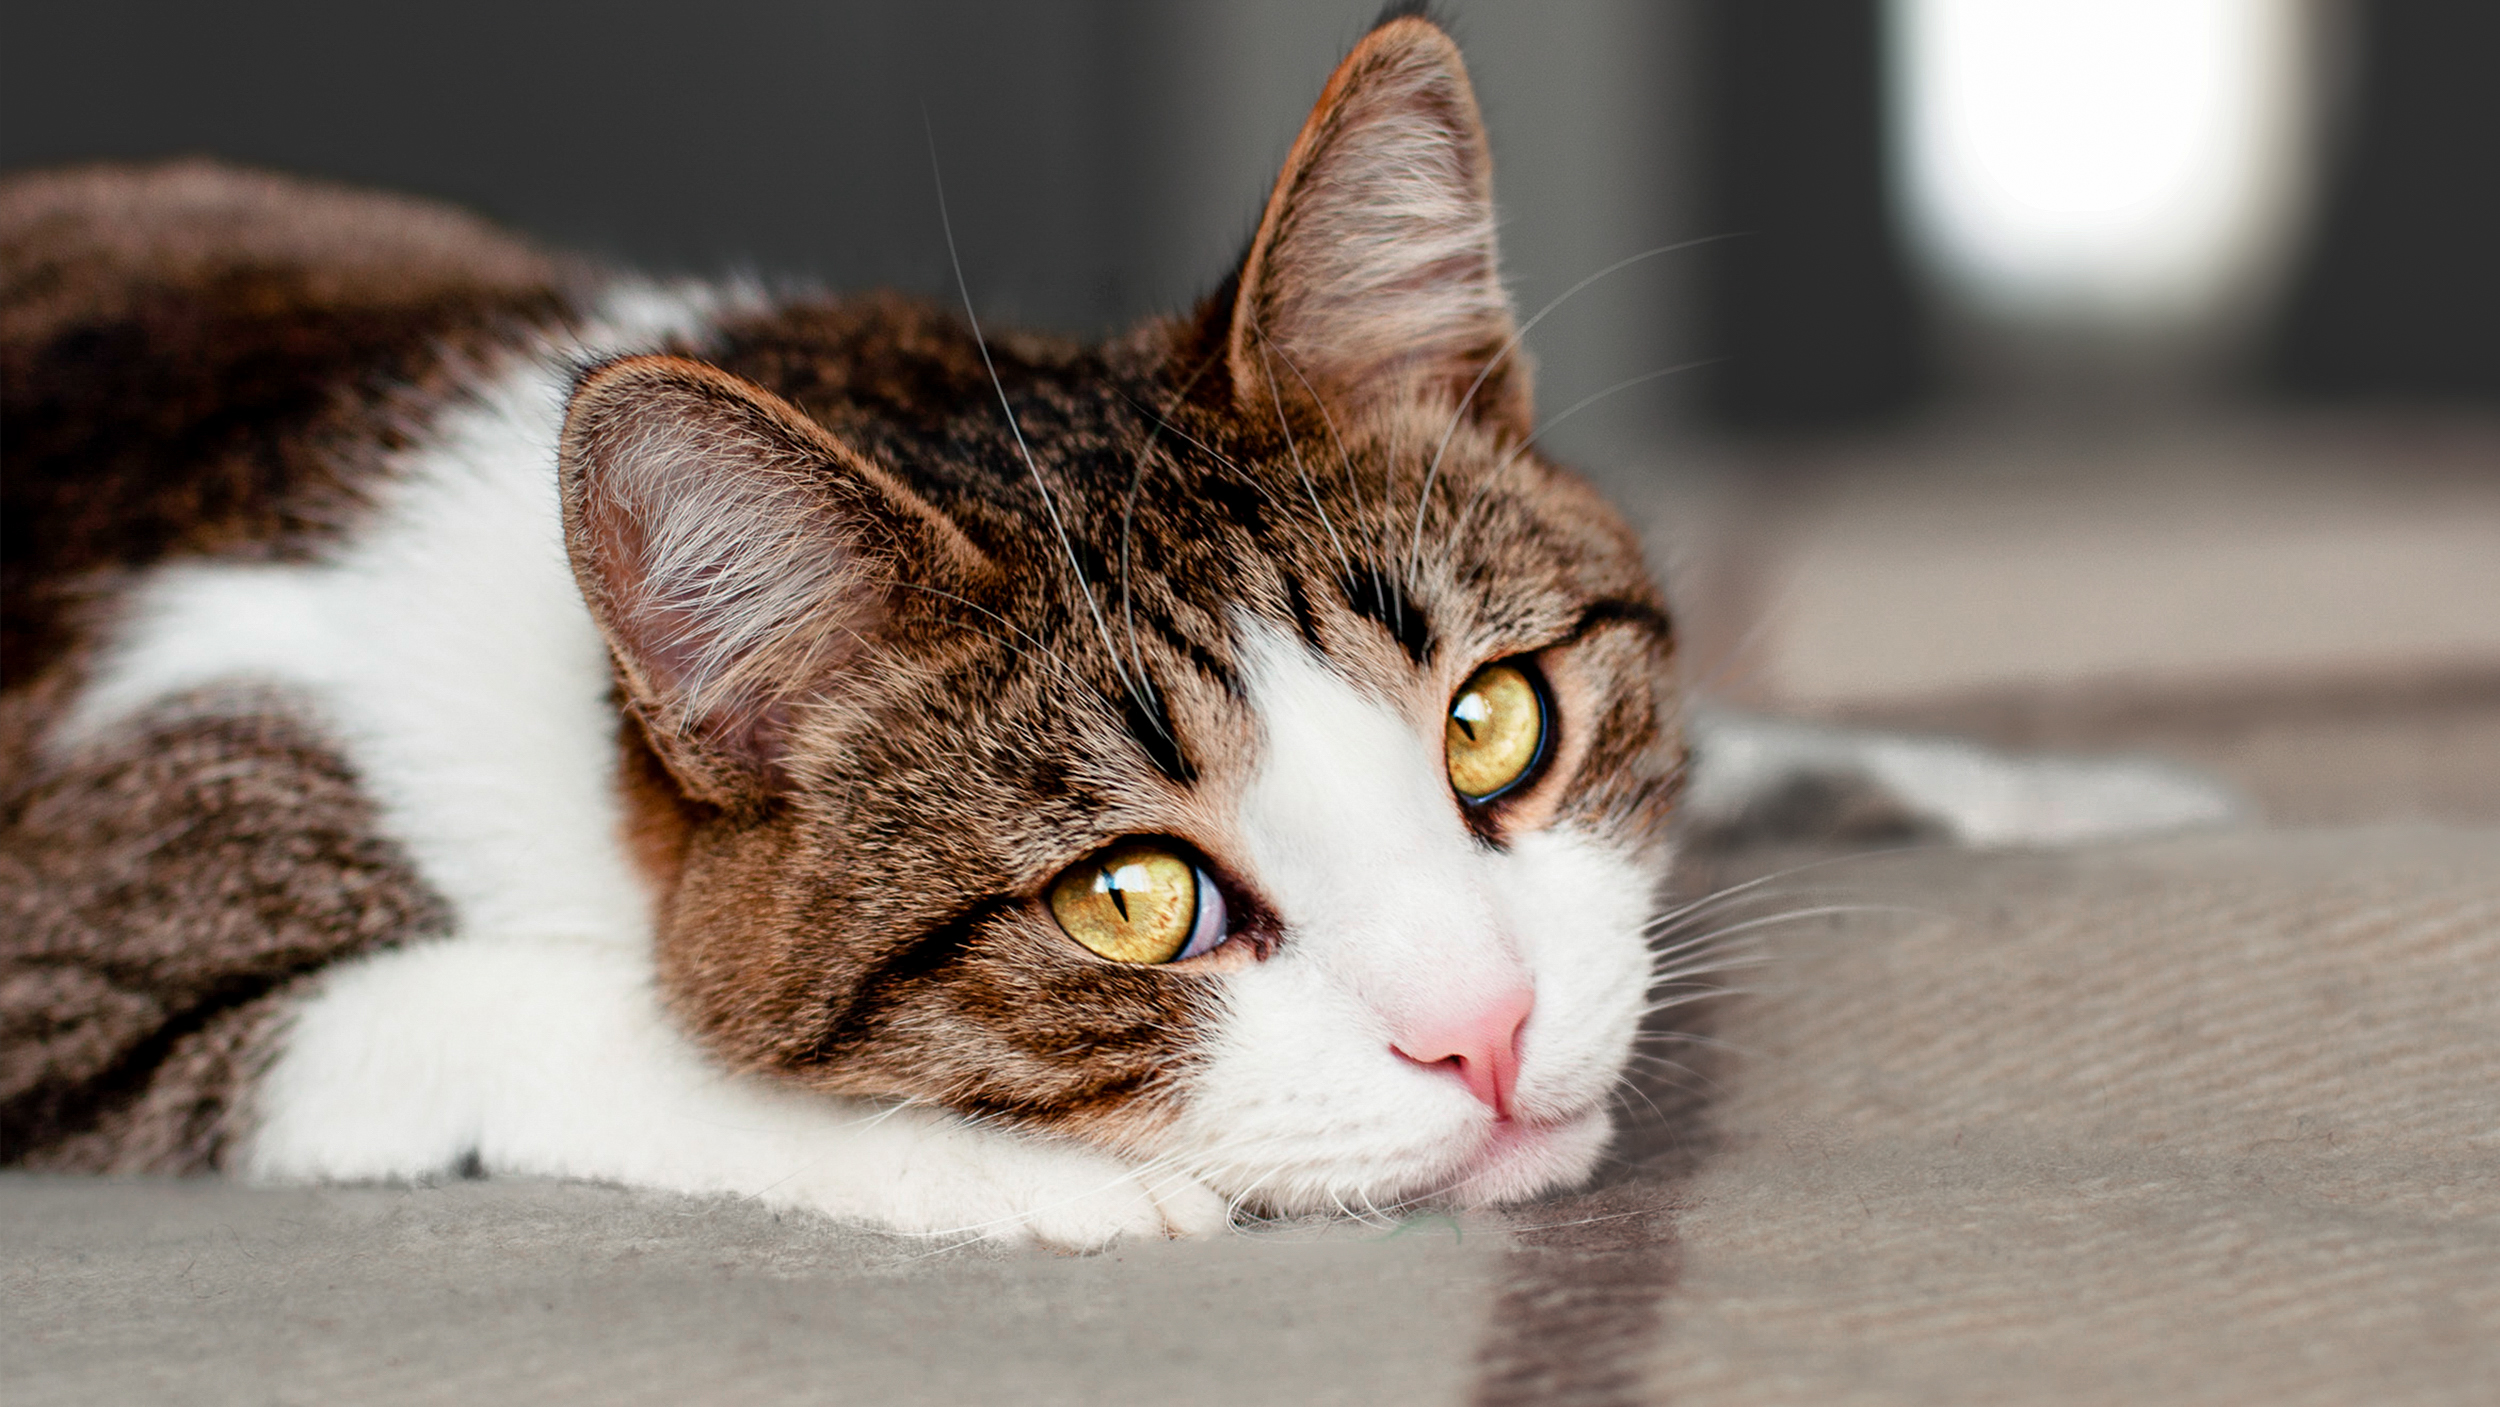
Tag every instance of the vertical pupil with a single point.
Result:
(1118, 882)
(1471, 711)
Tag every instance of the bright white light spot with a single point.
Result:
(2096, 158)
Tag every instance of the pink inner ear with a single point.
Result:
(731, 562)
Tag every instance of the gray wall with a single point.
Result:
(1103, 158)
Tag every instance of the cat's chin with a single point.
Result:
(1521, 1158)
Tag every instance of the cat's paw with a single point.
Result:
(1077, 1209)
(957, 1182)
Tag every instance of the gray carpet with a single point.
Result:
(203, 1292)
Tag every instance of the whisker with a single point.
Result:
(1687, 976)
(1295, 448)
(1459, 416)
(1128, 505)
(1050, 503)
(1201, 446)
(1674, 941)
(1733, 891)
(1345, 460)
(1047, 653)
(1699, 993)
(1819, 911)
(1699, 1038)
(1233, 1206)
(1128, 522)
(1458, 525)
(1659, 1062)
(1626, 1084)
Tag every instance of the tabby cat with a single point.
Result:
(470, 711)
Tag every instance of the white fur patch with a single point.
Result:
(446, 649)
(555, 1059)
(1390, 907)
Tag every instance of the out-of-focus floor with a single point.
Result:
(2309, 608)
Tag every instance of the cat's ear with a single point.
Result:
(1373, 275)
(736, 555)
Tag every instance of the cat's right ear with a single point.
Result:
(1373, 276)
(737, 556)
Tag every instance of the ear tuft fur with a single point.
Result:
(1407, 10)
(1374, 273)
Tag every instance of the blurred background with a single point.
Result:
(2080, 373)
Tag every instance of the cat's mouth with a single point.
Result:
(1519, 1158)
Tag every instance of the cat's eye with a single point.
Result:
(1140, 901)
(1496, 731)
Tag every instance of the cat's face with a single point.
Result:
(1254, 756)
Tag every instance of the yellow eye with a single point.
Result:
(1496, 730)
(1139, 902)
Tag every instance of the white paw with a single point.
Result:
(1087, 1201)
(545, 1059)
(938, 1177)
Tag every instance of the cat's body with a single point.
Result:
(467, 711)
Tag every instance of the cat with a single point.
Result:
(469, 711)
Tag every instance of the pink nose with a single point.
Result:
(1481, 1048)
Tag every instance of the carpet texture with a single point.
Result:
(2207, 1120)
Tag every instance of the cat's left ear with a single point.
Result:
(741, 561)
(1373, 275)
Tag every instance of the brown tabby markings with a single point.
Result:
(196, 361)
(158, 893)
(983, 697)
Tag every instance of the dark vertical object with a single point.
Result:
(2399, 298)
(1810, 305)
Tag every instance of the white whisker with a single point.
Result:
(1458, 525)
(1050, 503)
(1458, 417)
(1294, 447)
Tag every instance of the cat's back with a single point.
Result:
(199, 361)
(259, 594)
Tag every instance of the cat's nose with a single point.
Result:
(1480, 1047)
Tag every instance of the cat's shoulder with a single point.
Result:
(198, 360)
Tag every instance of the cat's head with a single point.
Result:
(1252, 753)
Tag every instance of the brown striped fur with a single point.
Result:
(201, 361)
(196, 362)
(156, 893)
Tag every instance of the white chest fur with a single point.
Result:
(447, 652)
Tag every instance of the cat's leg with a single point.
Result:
(1799, 780)
(552, 1058)
(165, 889)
